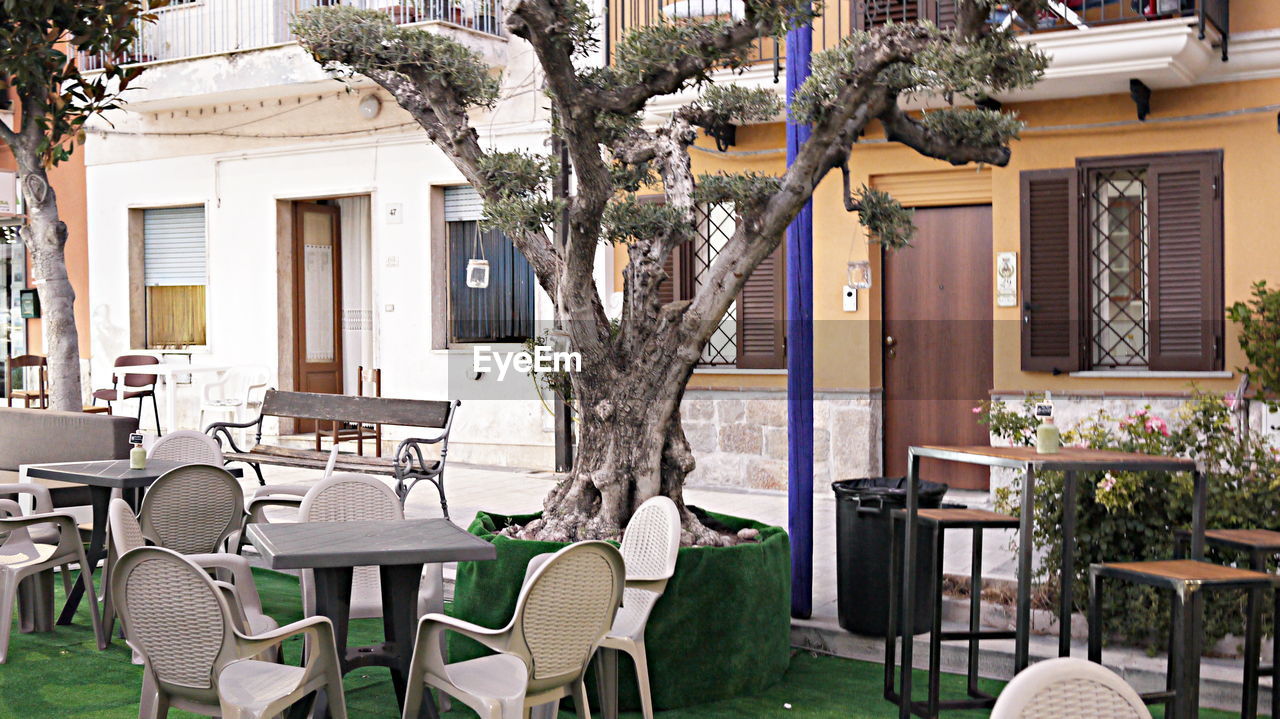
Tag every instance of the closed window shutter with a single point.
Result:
(761, 324)
(1186, 262)
(462, 204)
(501, 312)
(1051, 271)
(174, 247)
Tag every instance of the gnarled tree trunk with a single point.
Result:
(45, 236)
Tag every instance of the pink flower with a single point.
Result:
(977, 410)
(1155, 424)
(1107, 484)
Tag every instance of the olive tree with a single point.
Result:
(635, 367)
(40, 42)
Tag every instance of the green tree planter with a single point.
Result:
(722, 628)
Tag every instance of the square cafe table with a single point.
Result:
(399, 548)
(1072, 461)
(101, 478)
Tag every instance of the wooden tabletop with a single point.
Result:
(1067, 458)
(320, 545)
(113, 473)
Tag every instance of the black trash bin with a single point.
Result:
(863, 509)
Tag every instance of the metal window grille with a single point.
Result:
(716, 224)
(1119, 305)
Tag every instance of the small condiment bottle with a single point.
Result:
(137, 457)
(1048, 437)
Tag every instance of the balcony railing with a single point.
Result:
(197, 28)
(843, 16)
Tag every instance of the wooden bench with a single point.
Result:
(409, 465)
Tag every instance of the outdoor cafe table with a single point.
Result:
(399, 548)
(101, 478)
(1072, 461)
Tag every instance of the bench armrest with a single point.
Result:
(221, 431)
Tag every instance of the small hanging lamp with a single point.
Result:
(477, 267)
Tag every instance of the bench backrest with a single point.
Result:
(39, 436)
(346, 408)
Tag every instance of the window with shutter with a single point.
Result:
(750, 336)
(502, 311)
(175, 276)
(1138, 256)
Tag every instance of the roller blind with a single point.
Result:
(174, 246)
(462, 204)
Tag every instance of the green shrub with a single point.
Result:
(1260, 336)
(1127, 516)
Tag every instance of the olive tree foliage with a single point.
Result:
(634, 370)
(39, 43)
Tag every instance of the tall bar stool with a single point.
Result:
(1185, 579)
(936, 522)
(1258, 544)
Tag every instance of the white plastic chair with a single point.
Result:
(194, 656)
(277, 496)
(649, 548)
(236, 394)
(126, 535)
(192, 509)
(22, 557)
(187, 446)
(1069, 688)
(563, 611)
(345, 497)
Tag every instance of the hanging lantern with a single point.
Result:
(477, 267)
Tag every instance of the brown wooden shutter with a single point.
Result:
(761, 316)
(1050, 271)
(1185, 265)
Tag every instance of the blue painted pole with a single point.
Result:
(799, 351)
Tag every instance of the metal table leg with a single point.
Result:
(907, 603)
(1067, 578)
(99, 499)
(1026, 533)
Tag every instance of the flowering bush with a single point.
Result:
(1127, 516)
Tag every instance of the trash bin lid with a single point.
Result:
(889, 488)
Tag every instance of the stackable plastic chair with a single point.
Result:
(1069, 689)
(649, 548)
(126, 535)
(347, 497)
(563, 612)
(277, 496)
(22, 556)
(192, 509)
(196, 659)
(187, 446)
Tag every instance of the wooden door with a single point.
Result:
(937, 341)
(317, 301)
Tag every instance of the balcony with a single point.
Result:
(188, 29)
(1206, 19)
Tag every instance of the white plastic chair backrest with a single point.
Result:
(176, 618)
(652, 541)
(192, 509)
(187, 446)
(256, 381)
(126, 533)
(333, 461)
(347, 497)
(1068, 687)
(564, 610)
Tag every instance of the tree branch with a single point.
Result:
(901, 127)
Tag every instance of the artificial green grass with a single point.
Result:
(63, 675)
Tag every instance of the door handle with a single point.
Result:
(889, 341)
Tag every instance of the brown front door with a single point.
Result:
(937, 341)
(317, 301)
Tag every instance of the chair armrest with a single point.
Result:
(68, 531)
(9, 508)
(242, 584)
(280, 490)
(40, 493)
(255, 506)
(317, 629)
(433, 625)
(241, 622)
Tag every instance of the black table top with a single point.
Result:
(114, 473)
(321, 545)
